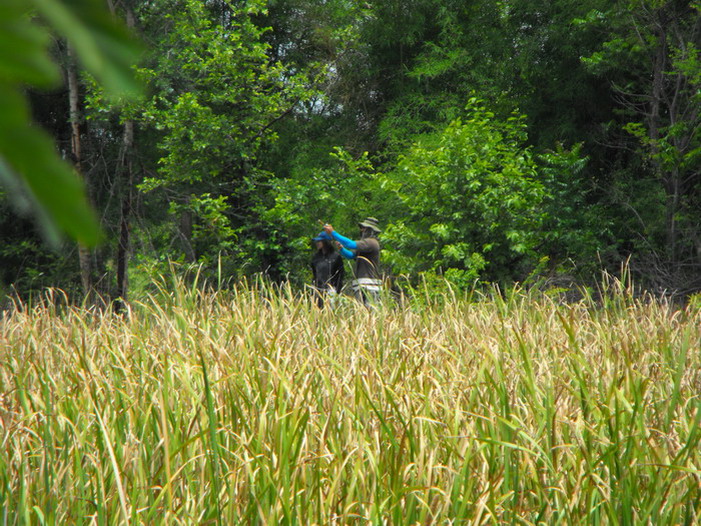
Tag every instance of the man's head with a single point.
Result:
(369, 227)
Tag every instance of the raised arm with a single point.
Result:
(347, 243)
(346, 254)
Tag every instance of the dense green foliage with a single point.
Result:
(497, 142)
(494, 140)
(471, 199)
(29, 165)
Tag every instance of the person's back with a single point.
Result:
(327, 268)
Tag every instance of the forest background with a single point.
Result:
(495, 141)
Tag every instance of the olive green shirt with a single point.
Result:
(367, 258)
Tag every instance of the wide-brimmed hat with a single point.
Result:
(371, 223)
(322, 236)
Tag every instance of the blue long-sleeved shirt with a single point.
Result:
(348, 245)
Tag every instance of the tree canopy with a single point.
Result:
(494, 140)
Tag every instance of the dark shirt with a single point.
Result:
(327, 269)
(367, 258)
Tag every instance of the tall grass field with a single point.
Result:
(252, 406)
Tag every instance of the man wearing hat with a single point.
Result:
(366, 252)
(327, 268)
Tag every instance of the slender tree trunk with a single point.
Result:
(76, 153)
(185, 228)
(668, 178)
(126, 169)
(124, 232)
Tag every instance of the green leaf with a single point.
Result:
(23, 48)
(105, 47)
(29, 164)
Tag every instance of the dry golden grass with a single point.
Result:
(253, 406)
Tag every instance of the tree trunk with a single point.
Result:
(124, 234)
(75, 117)
(185, 228)
(126, 172)
(668, 178)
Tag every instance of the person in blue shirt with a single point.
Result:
(366, 253)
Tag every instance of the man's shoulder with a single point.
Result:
(369, 244)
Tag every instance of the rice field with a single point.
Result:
(252, 406)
